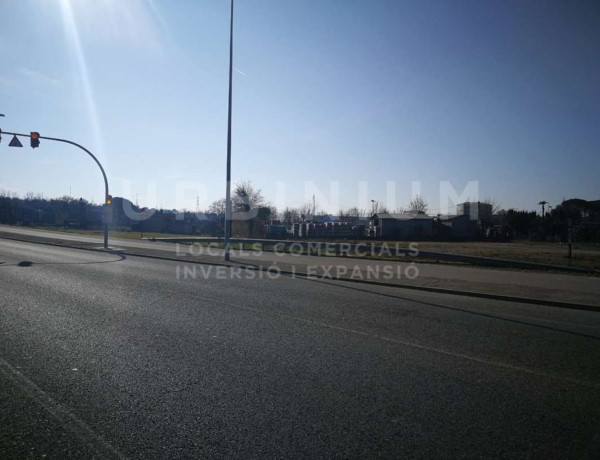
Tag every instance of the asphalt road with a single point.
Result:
(103, 355)
(567, 288)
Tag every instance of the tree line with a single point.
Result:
(66, 211)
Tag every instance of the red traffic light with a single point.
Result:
(35, 139)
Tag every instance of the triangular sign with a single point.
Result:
(15, 142)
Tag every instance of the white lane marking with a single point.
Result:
(66, 418)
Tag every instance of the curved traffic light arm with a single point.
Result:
(66, 141)
(106, 194)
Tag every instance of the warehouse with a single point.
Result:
(402, 225)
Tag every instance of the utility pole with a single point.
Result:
(543, 204)
(228, 186)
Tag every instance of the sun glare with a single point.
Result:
(74, 43)
(111, 23)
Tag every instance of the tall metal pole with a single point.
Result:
(228, 189)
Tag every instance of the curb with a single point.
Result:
(294, 274)
(427, 255)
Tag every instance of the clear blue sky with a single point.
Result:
(506, 93)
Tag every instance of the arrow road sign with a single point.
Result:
(15, 142)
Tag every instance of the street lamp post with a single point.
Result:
(373, 207)
(228, 185)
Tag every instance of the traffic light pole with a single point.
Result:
(106, 194)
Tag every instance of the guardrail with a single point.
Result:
(317, 248)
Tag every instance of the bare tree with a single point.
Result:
(496, 206)
(9, 194)
(350, 214)
(273, 213)
(290, 215)
(418, 204)
(247, 197)
(354, 212)
(305, 210)
(218, 208)
(343, 215)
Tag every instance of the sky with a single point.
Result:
(349, 100)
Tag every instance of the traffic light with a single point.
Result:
(35, 140)
(109, 199)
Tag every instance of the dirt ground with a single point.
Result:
(583, 255)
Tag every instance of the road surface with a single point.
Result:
(577, 289)
(116, 356)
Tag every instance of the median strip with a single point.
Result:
(300, 271)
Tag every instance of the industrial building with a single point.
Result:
(476, 210)
(402, 225)
(458, 227)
